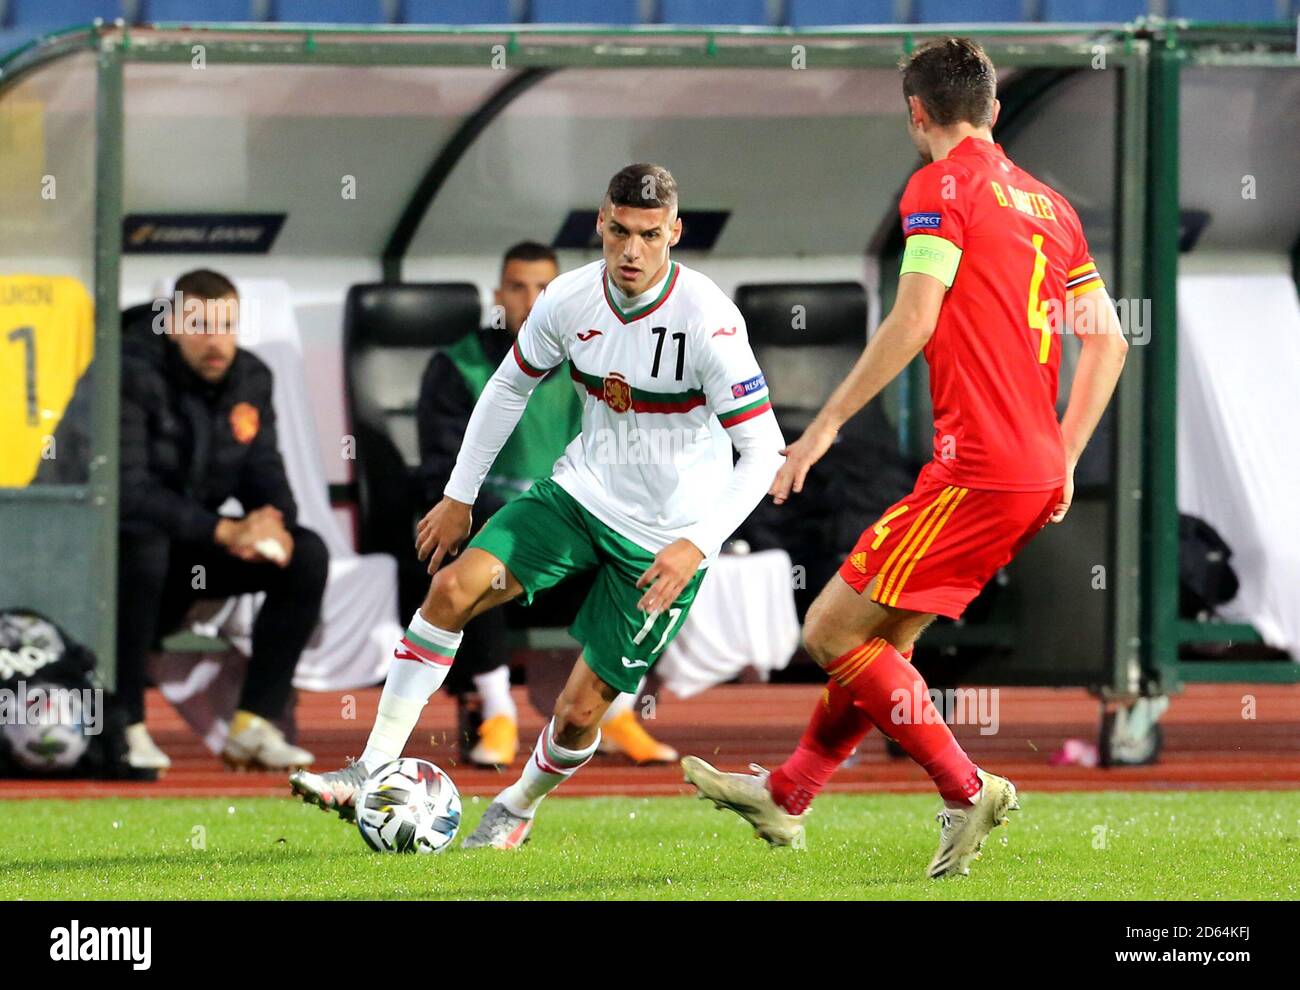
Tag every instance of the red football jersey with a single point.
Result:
(996, 351)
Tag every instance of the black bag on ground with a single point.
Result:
(55, 717)
(1205, 575)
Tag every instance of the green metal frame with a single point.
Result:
(1162, 629)
(1145, 632)
(1131, 273)
(83, 517)
(109, 166)
(1159, 361)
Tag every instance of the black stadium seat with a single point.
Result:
(806, 336)
(389, 334)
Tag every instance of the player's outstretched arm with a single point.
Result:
(496, 414)
(737, 394)
(536, 350)
(757, 442)
(1097, 326)
(901, 337)
(442, 531)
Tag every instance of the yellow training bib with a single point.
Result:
(47, 333)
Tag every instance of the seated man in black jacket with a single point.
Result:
(198, 427)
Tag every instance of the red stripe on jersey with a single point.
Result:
(524, 366)
(746, 415)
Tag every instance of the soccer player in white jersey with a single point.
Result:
(644, 495)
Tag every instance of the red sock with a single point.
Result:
(896, 698)
(836, 728)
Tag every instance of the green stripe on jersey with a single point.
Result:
(653, 304)
(732, 414)
(532, 369)
(638, 394)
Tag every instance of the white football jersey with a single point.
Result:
(658, 373)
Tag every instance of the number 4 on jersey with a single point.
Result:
(1038, 319)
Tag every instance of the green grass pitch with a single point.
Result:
(1198, 845)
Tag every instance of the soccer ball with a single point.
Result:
(408, 805)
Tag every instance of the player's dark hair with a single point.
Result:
(529, 251)
(954, 79)
(643, 187)
(203, 283)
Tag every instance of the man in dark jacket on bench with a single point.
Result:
(198, 427)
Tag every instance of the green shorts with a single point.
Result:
(545, 536)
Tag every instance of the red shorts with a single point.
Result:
(934, 550)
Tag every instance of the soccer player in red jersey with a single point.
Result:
(995, 268)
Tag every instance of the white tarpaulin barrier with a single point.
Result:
(359, 625)
(353, 643)
(743, 616)
(1238, 457)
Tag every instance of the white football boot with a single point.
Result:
(499, 828)
(332, 791)
(747, 795)
(963, 831)
(261, 746)
(142, 753)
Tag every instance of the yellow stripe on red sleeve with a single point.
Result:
(1083, 279)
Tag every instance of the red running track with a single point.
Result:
(1208, 744)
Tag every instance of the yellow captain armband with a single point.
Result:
(931, 255)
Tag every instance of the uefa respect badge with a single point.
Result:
(922, 221)
(742, 389)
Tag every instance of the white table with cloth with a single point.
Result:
(1238, 457)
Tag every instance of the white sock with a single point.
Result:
(421, 661)
(494, 688)
(548, 767)
(623, 703)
